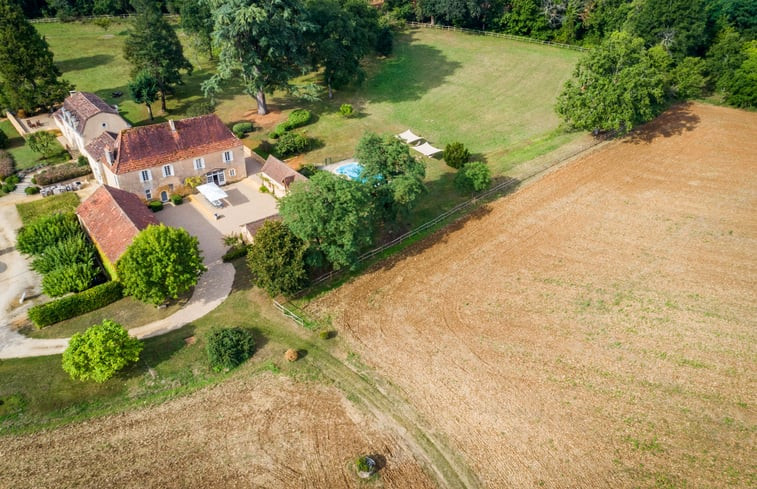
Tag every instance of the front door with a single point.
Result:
(164, 196)
(216, 177)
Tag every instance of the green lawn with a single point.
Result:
(67, 202)
(40, 394)
(128, 312)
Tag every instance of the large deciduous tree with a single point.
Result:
(680, 25)
(261, 42)
(277, 259)
(332, 214)
(161, 263)
(101, 351)
(342, 35)
(28, 77)
(197, 20)
(152, 46)
(616, 86)
(144, 90)
(741, 87)
(394, 176)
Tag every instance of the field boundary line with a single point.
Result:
(52, 20)
(500, 35)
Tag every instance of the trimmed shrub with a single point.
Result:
(7, 188)
(292, 143)
(346, 110)
(200, 108)
(75, 305)
(100, 352)
(241, 128)
(75, 277)
(59, 173)
(82, 160)
(12, 180)
(228, 348)
(297, 118)
(177, 199)
(365, 466)
(31, 190)
(155, 205)
(263, 189)
(7, 165)
(3, 140)
(456, 155)
(473, 177)
(74, 249)
(46, 231)
(235, 252)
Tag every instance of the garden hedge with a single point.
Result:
(59, 173)
(76, 304)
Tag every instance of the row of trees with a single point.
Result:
(329, 220)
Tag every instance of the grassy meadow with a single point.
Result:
(495, 96)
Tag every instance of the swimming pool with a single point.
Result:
(351, 170)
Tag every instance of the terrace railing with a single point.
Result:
(500, 35)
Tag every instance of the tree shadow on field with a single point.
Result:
(673, 122)
(159, 349)
(409, 73)
(83, 63)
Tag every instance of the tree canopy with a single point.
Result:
(144, 90)
(28, 77)
(277, 259)
(101, 351)
(332, 214)
(152, 46)
(197, 20)
(614, 87)
(259, 41)
(161, 263)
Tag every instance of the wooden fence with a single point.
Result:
(500, 35)
(286, 312)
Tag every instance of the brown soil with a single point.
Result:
(268, 121)
(594, 329)
(266, 432)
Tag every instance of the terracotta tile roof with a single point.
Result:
(113, 218)
(279, 172)
(140, 148)
(96, 147)
(252, 227)
(83, 105)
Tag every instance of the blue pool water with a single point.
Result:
(350, 170)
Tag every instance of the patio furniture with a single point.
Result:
(409, 137)
(427, 150)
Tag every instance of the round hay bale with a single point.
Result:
(291, 355)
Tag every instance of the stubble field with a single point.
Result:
(594, 329)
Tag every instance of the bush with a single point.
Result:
(31, 190)
(59, 173)
(100, 352)
(82, 160)
(7, 188)
(229, 347)
(473, 177)
(308, 170)
(46, 231)
(75, 305)
(292, 143)
(200, 108)
(241, 129)
(177, 199)
(346, 110)
(7, 165)
(75, 277)
(297, 118)
(365, 465)
(43, 142)
(74, 249)
(456, 155)
(12, 180)
(155, 205)
(235, 252)
(263, 189)
(3, 140)
(325, 334)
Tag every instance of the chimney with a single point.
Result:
(109, 155)
(173, 126)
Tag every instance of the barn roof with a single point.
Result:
(279, 172)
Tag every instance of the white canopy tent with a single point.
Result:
(213, 193)
(427, 149)
(409, 137)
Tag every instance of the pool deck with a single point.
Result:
(333, 166)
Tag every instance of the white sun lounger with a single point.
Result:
(409, 137)
(427, 149)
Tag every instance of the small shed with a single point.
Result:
(277, 176)
(249, 230)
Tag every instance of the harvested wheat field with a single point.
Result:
(266, 432)
(594, 329)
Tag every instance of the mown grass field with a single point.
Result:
(494, 95)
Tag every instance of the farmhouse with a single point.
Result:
(85, 116)
(155, 161)
(113, 218)
(277, 176)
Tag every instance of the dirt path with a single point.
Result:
(593, 329)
